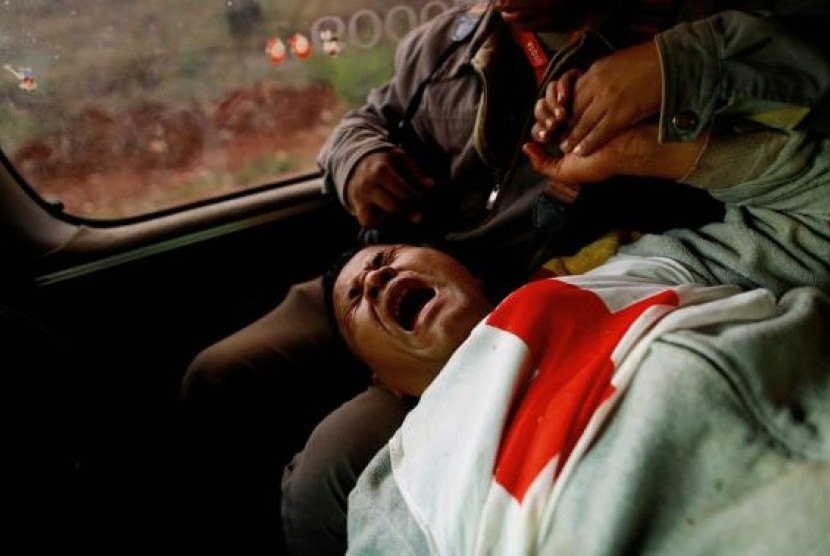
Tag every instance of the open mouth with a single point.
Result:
(409, 306)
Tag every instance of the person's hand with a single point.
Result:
(386, 187)
(634, 152)
(616, 92)
(552, 110)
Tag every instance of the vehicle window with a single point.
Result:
(121, 108)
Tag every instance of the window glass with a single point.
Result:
(118, 108)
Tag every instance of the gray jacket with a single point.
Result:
(478, 106)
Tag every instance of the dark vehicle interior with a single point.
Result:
(149, 208)
(157, 194)
(101, 323)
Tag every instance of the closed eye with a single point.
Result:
(381, 258)
(377, 260)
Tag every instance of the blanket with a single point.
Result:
(536, 384)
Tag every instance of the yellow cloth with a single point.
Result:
(590, 256)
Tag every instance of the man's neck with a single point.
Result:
(605, 11)
(554, 41)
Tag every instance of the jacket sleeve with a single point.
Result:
(367, 129)
(773, 68)
(776, 230)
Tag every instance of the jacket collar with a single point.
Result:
(480, 40)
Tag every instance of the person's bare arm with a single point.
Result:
(634, 152)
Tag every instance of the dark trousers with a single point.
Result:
(249, 403)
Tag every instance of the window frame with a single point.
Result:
(56, 247)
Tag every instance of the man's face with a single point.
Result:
(546, 15)
(404, 310)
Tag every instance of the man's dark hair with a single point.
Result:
(330, 277)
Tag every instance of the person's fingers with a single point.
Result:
(412, 172)
(563, 94)
(383, 199)
(582, 121)
(399, 199)
(398, 186)
(566, 173)
(557, 104)
(539, 133)
(407, 184)
(584, 107)
(369, 216)
(389, 200)
(545, 122)
(594, 137)
(551, 97)
(381, 188)
(565, 86)
(617, 92)
(569, 168)
(635, 151)
(539, 159)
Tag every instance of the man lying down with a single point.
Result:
(674, 400)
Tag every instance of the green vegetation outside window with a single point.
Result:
(121, 108)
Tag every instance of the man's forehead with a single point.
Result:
(362, 256)
(355, 265)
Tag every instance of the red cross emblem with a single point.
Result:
(571, 335)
